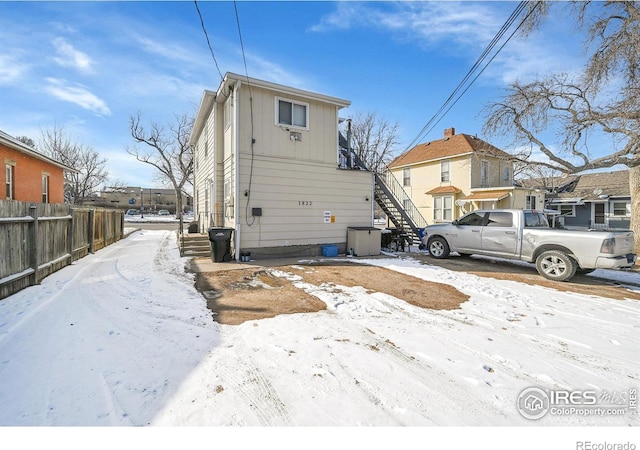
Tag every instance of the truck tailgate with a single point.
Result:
(624, 242)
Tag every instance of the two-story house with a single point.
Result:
(28, 175)
(267, 164)
(459, 173)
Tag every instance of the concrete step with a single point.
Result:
(194, 245)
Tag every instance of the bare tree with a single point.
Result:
(601, 101)
(167, 150)
(374, 140)
(26, 140)
(90, 166)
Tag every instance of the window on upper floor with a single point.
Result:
(45, 188)
(484, 173)
(406, 176)
(292, 113)
(444, 170)
(9, 182)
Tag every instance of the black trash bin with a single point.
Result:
(220, 238)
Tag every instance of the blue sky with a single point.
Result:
(89, 66)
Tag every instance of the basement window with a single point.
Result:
(292, 113)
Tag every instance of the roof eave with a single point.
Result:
(206, 105)
(15, 144)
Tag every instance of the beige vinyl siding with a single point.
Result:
(495, 172)
(425, 177)
(282, 188)
(319, 143)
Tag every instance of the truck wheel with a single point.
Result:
(556, 265)
(438, 247)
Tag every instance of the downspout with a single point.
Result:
(349, 162)
(236, 175)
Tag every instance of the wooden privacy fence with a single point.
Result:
(39, 239)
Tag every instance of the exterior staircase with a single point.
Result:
(194, 244)
(398, 207)
(395, 202)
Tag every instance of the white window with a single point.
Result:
(530, 202)
(406, 176)
(566, 210)
(442, 209)
(45, 188)
(506, 174)
(227, 189)
(9, 181)
(621, 209)
(292, 113)
(444, 170)
(484, 173)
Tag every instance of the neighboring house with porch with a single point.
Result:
(267, 164)
(459, 173)
(30, 176)
(591, 200)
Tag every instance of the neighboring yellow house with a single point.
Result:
(460, 173)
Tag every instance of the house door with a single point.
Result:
(598, 212)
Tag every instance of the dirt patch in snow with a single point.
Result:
(235, 296)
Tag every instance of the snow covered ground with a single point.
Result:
(122, 338)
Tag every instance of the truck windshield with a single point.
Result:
(534, 219)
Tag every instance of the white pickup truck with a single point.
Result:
(525, 235)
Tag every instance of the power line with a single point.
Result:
(206, 35)
(446, 107)
(246, 71)
(244, 59)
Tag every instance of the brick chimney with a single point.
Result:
(449, 132)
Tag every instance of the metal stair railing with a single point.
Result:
(394, 200)
(398, 197)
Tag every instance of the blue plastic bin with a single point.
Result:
(329, 250)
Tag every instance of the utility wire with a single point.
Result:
(483, 69)
(246, 71)
(434, 119)
(206, 35)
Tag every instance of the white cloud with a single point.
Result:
(465, 28)
(10, 70)
(68, 56)
(427, 22)
(167, 50)
(77, 94)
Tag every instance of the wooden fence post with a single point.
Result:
(91, 225)
(105, 214)
(70, 243)
(33, 246)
